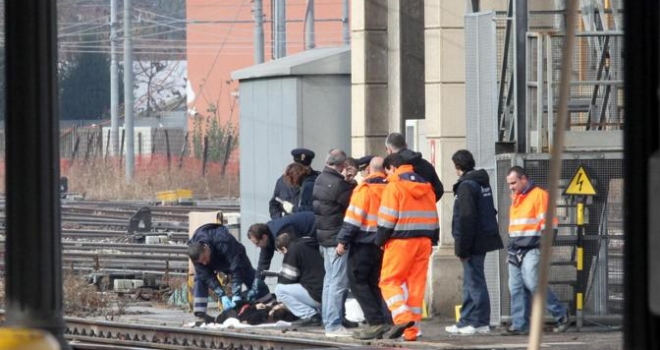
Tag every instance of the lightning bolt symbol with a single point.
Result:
(579, 181)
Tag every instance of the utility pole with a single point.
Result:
(345, 24)
(258, 31)
(114, 81)
(309, 26)
(280, 28)
(128, 91)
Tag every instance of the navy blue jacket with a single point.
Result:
(283, 192)
(227, 256)
(300, 224)
(305, 201)
(474, 223)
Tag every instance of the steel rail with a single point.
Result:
(85, 330)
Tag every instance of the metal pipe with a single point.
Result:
(504, 70)
(345, 23)
(128, 92)
(280, 28)
(540, 297)
(310, 36)
(258, 31)
(114, 80)
(520, 73)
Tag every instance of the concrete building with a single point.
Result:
(379, 101)
(221, 39)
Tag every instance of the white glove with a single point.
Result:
(288, 207)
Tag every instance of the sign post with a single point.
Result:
(580, 186)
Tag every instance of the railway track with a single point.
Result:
(92, 334)
(129, 258)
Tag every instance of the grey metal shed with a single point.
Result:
(302, 100)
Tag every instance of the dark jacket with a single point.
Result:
(300, 224)
(474, 223)
(422, 167)
(306, 199)
(284, 192)
(227, 256)
(331, 197)
(303, 264)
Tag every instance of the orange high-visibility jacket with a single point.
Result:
(527, 218)
(407, 208)
(361, 220)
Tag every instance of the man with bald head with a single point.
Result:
(331, 195)
(364, 257)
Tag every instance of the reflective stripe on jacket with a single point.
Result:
(407, 208)
(527, 218)
(361, 219)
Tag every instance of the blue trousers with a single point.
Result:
(523, 282)
(475, 310)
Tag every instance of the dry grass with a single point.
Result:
(82, 299)
(100, 180)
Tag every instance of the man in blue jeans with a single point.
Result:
(332, 194)
(526, 224)
(300, 282)
(475, 231)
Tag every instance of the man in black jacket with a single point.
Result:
(300, 283)
(396, 143)
(332, 194)
(475, 231)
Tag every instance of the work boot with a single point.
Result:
(349, 324)
(372, 332)
(397, 330)
(312, 321)
(513, 331)
(203, 318)
(562, 324)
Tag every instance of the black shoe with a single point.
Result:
(562, 324)
(372, 332)
(313, 321)
(349, 324)
(397, 330)
(513, 331)
(203, 318)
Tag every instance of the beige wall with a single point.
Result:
(374, 73)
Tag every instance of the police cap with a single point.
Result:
(303, 156)
(363, 162)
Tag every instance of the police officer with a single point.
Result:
(286, 198)
(363, 167)
(213, 249)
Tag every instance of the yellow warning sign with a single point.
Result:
(580, 184)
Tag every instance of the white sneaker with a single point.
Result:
(468, 330)
(339, 332)
(453, 329)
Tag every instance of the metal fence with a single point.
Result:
(165, 159)
(603, 240)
